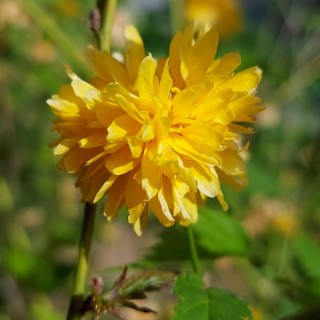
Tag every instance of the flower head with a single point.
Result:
(157, 136)
(225, 15)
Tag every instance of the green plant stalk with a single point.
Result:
(284, 249)
(57, 36)
(194, 252)
(107, 9)
(81, 272)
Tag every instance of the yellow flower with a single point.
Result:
(285, 222)
(157, 136)
(69, 8)
(224, 14)
(256, 313)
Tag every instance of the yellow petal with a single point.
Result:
(108, 68)
(64, 146)
(223, 203)
(162, 124)
(104, 188)
(207, 180)
(216, 108)
(90, 172)
(164, 217)
(114, 146)
(184, 209)
(226, 65)
(125, 101)
(166, 156)
(121, 127)
(245, 107)
(141, 222)
(240, 129)
(146, 132)
(163, 203)
(121, 162)
(191, 68)
(107, 111)
(196, 56)
(236, 182)
(95, 184)
(135, 199)
(135, 51)
(136, 146)
(63, 108)
(75, 158)
(232, 163)
(203, 134)
(202, 153)
(72, 128)
(93, 141)
(165, 196)
(145, 80)
(179, 190)
(165, 84)
(205, 48)
(175, 60)
(84, 90)
(98, 155)
(189, 210)
(246, 80)
(185, 101)
(151, 177)
(185, 175)
(115, 197)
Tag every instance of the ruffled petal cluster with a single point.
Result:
(157, 136)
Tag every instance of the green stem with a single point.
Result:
(80, 277)
(282, 266)
(107, 9)
(56, 34)
(194, 252)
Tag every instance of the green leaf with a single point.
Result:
(193, 302)
(307, 253)
(265, 180)
(199, 303)
(42, 308)
(217, 234)
(172, 247)
(20, 262)
(220, 234)
(136, 286)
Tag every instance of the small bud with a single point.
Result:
(96, 284)
(95, 21)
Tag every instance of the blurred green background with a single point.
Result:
(40, 212)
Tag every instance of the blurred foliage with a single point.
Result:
(208, 303)
(40, 213)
